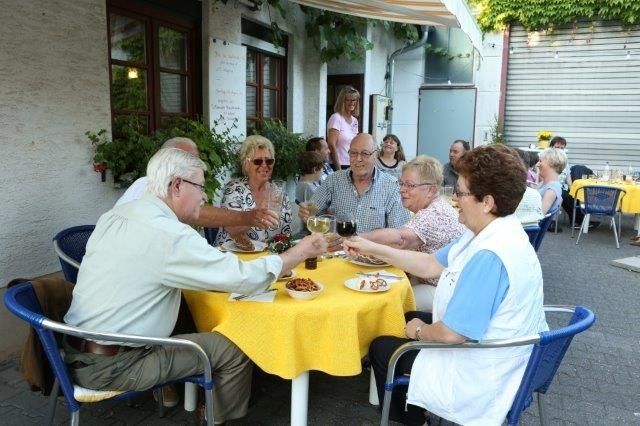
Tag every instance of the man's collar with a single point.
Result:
(373, 177)
(161, 204)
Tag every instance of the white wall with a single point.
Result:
(487, 79)
(306, 86)
(54, 86)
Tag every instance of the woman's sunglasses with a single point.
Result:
(260, 161)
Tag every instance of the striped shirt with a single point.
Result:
(378, 207)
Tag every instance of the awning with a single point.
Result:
(442, 13)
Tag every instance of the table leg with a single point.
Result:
(300, 399)
(190, 396)
(636, 224)
(585, 223)
(373, 390)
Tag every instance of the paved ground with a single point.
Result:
(598, 382)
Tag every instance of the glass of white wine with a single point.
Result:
(320, 224)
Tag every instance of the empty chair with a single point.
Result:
(599, 201)
(21, 300)
(549, 348)
(70, 245)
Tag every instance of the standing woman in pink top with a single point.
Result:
(343, 126)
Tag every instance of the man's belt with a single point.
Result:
(91, 347)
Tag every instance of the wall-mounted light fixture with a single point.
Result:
(628, 54)
(556, 56)
(132, 73)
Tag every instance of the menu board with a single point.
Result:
(227, 89)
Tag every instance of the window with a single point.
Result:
(265, 88)
(153, 71)
(456, 67)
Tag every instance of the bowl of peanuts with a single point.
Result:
(303, 289)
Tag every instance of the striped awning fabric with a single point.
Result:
(444, 13)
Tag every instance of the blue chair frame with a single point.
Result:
(544, 224)
(549, 347)
(532, 232)
(22, 301)
(70, 245)
(599, 200)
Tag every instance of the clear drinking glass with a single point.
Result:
(346, 225)
(275, 198)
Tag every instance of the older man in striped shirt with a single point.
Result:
(371, 196)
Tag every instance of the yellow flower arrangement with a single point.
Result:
(544, 135)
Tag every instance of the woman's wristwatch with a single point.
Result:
(417, 335)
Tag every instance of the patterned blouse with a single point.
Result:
(436, 226)
(237, 196)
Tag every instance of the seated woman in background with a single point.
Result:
(490, 287)
(434, 225)
(552, 162)
(532, 174)
(311, 168)
(391, 158)
(256, 159)
(529, 211)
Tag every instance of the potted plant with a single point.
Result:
(544, 136)
(127, 155)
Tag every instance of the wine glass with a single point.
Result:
(346, 225)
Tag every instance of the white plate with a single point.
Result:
(370, 265)
(231, 246)
(287, 278)
(354, 284)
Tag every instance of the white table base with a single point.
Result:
(300, 399)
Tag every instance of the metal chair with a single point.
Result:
(549, 347)
(599, 201)
(532, 231)
(70, 245)
(21, 300)
(544, 224)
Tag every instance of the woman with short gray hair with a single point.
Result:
(551, 164)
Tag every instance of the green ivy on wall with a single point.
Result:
(495, 15)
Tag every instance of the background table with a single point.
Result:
(290, 337)
(630, 203)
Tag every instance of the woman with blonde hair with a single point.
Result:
(257, 158)
(434, 225)
(343, 126)
(551, 163)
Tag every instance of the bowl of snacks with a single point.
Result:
(303, 288)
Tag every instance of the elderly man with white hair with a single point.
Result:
(139, 257)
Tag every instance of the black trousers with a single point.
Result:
(380, 352)
(567, 205)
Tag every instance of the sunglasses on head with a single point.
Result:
(260, 161)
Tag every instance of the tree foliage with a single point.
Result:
(495, 15)
(288, 147)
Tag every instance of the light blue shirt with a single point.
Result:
(378, 207)
(556, 187)
(481, 287)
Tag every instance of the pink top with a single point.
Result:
(347, 132)
(436, 225)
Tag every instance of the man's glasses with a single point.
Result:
(197, 185)
(260, 161)
(402, 183)
(364, 154)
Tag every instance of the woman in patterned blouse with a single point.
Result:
(434, 225)
(257, 159)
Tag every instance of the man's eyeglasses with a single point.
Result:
(260, 161)
(197, 185)
(364, 154)
(459, 193)
(402, 183)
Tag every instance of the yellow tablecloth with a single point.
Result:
(330, 333)
(630, 202)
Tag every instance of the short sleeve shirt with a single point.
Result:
(347, 131)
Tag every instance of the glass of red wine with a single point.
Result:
(346, 225)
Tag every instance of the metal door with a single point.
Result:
(445, 114)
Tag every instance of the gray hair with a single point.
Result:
(169, 163)
(555, 158)
(182, 143)
(428, 168)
